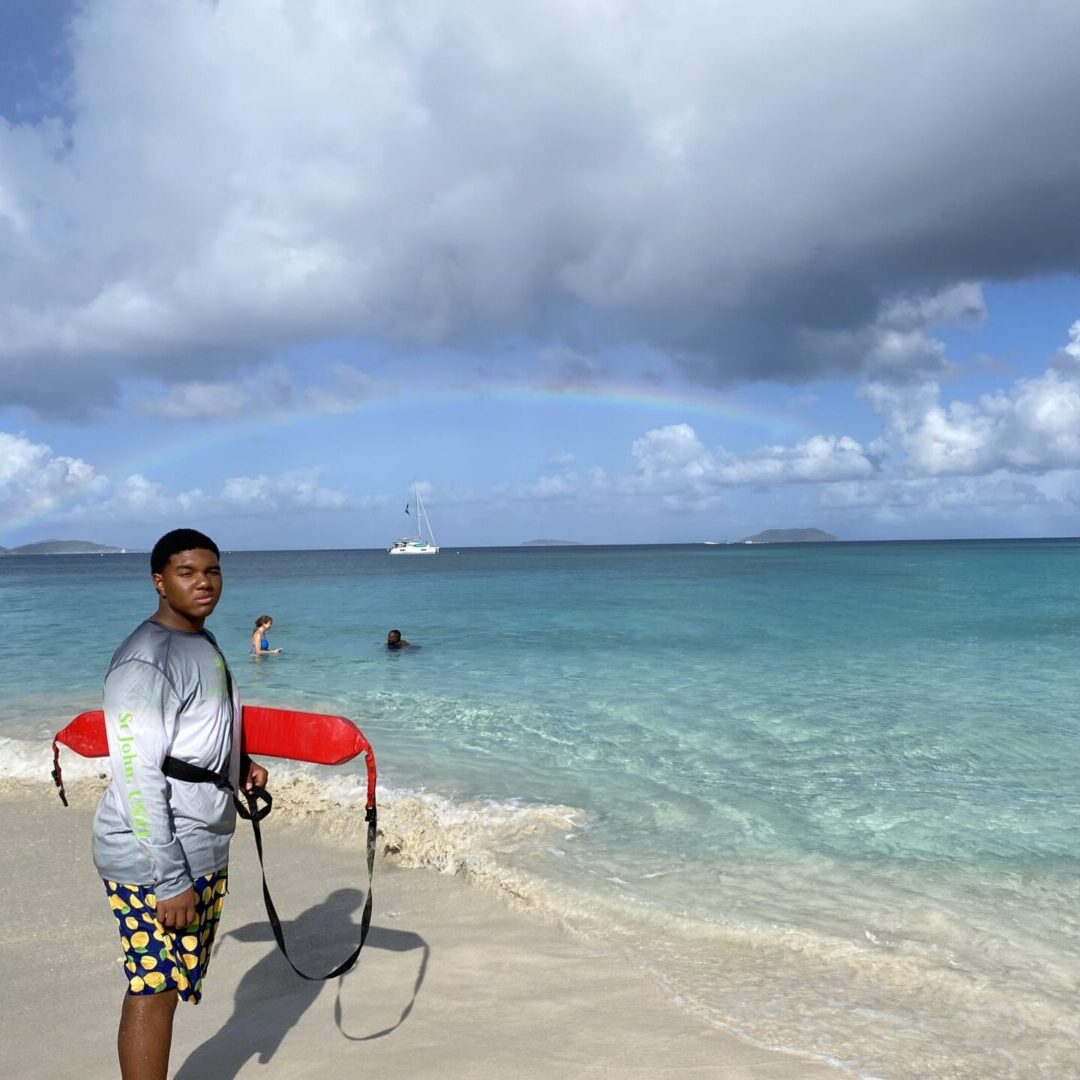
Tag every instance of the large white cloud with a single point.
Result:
(34, 480)
(672, 465)
(750, 188)
(1031, 427)
(137, 498)
(673, 456)
(37, 483)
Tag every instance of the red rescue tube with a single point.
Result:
(283, 733)
(85, 735)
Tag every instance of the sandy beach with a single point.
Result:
(451, 983)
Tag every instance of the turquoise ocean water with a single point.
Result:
(827, 795)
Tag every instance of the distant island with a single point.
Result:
(63, 547)
(790, 536)
(550, 543)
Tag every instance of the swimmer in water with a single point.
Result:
(260, 643)
(394, 640)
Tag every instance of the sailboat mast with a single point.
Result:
(423, 515)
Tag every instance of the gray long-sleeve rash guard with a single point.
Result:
(166, 694)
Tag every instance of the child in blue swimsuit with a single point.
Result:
(260, 643)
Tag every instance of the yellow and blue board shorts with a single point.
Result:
(156, 959)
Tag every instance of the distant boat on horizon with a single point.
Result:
(416, 545)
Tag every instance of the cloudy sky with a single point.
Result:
(600, 270)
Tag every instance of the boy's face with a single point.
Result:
(190, 583)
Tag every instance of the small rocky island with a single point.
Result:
(63, 547)
(790, 536)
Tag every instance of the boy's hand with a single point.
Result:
(256, 776)
(178, 912)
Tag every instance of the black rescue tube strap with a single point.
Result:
(255, 795)
(271, 911)
(176, 769)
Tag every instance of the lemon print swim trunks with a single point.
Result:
(156, 959)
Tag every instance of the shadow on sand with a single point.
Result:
(271, 999)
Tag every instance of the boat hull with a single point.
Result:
(414, 549)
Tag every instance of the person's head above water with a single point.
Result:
(394, 640)
(263, 622)
(186, 571)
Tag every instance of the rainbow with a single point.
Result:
(686, 401)
(682, 402)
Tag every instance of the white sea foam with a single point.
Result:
(31, 759)
(418, 829)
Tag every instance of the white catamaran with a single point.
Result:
(416, 545)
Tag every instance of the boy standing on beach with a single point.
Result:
(160, 843)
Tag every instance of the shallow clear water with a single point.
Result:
(827, 793)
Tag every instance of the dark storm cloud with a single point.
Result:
(753, 191)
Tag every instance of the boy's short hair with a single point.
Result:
(172, 543)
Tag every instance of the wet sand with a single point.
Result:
(451, 984)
